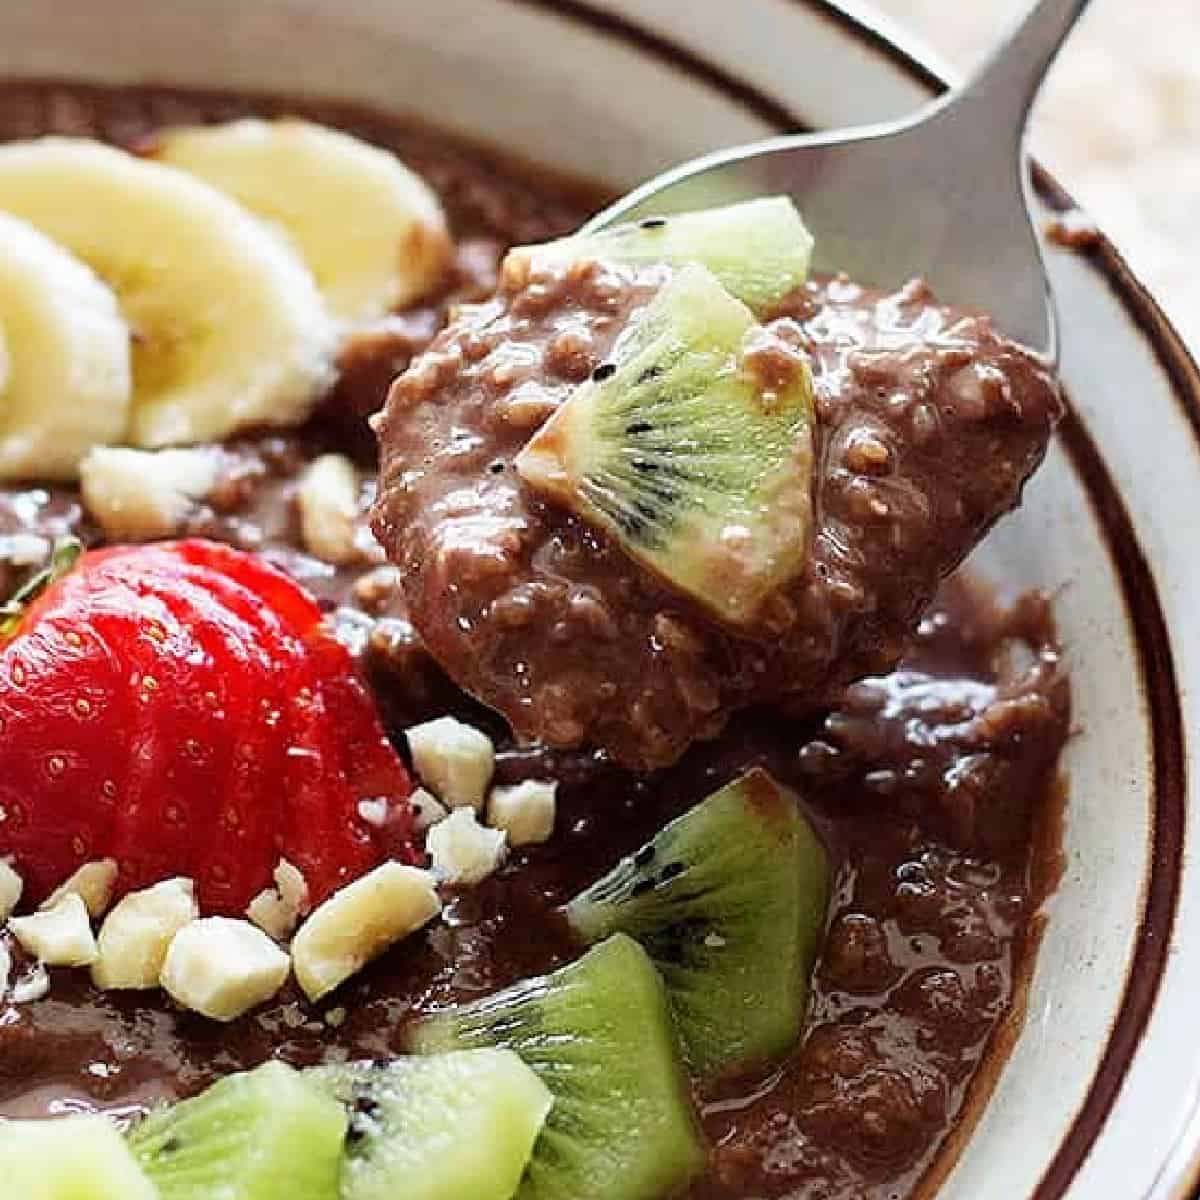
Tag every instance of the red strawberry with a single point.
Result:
(182, 709)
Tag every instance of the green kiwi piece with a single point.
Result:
(457, 1126)
(69, 1158)
(729, 901)
(598, 1032)
(759, 249)
(264, 1134)
(698, 464)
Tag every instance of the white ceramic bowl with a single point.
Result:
(1101, 1097)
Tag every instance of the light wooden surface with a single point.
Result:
(1118, 122)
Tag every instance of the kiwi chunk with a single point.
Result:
(598, 1032)
(694, 461)
(729, 901)
(71, 1158)
(457, 1126)
(264, 1134)
(759, 249)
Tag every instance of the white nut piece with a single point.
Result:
(359, 923)
(328, 502)
(136, 934)
(93, 883)
(463, 851)
(454, 760)
(5, 966)
(33, 985)
(11, 887)
(140, 495)
(278, 910)
(221, 967)
(525, 811)
(427, 809)
(60, 936)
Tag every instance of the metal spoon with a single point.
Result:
(943, 194)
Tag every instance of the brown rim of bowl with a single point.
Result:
(1139, 594)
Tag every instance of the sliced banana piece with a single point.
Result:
(229, 328)
(371, 231)
(65, 381)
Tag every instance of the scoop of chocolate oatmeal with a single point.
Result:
(927, 424)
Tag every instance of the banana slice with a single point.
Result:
(229, 328)
(371, 231)
(65, 378)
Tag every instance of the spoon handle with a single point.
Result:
(1007, 84)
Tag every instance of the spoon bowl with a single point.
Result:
(942, 194)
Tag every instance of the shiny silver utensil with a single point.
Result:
(943, 194)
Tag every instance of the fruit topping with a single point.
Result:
(692, 447)
(229, 330)
(65, 382)
(264, 1134)
(70, 1158)
(598, 1032)
(371, 231)
(729, 901)
(359, 923)
(181, 709)
(456, 1126)
(758, 249)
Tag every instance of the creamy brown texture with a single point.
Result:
(928, 781)
(927, 425)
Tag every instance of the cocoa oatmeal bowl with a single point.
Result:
(490, 711)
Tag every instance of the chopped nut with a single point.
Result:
(428, 810)
(140, 495)
(359, 923)
(60, 936)
(136, 934)
(453, 759)
(93, 883)
(277, 911)
(11, 887)
(328, 500)
(222, 967)
(5, 966)
(524, 811)
(33, 985)
(462, 850)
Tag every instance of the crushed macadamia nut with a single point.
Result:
(137, 933)
(142, 495)
(329, 510)
(462, 851)
(454, 760)
(11, 887)
(93, 883)
(221, 967)
(60, 936)
(525, 811)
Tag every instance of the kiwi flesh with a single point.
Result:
(759, 249)
(456, 1126)
(700, 468)
(729, 901)
(264, 1134)
(598, 1033)
(69, 1158)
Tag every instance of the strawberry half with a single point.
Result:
(181, 708)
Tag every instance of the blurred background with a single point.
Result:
(1118, 123)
